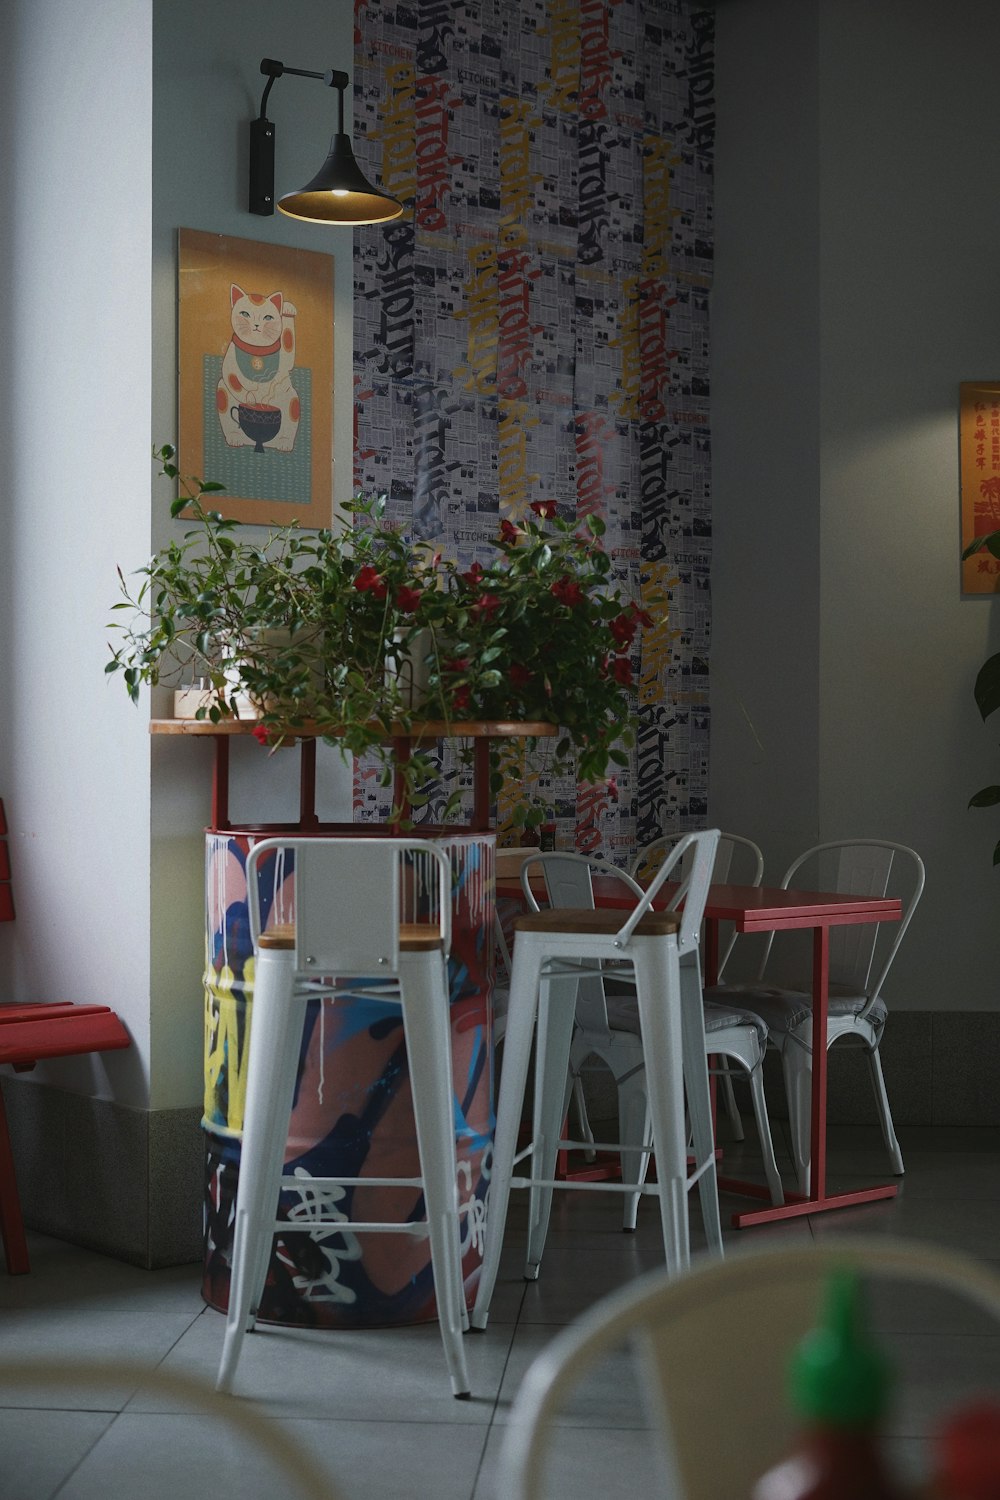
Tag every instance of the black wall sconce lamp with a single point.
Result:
(340, 193)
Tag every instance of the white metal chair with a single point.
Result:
(740, 861)
(377, 911)
(856, 1008)
(607, 1026)
(693, 1366)
(555, 950)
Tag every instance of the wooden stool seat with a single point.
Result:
(414, 937)
(603, 923)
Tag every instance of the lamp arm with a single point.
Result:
(334, 78)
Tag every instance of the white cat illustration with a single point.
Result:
(256, 400)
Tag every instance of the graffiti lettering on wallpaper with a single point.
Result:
(699, 70)
(562, 87)
(596, 57)
(593, 433)
(397, 132)
(432, 410)
(595, 140)
(516, 485)
(658, 581)
(434, 164)
(393, 349)
(436, 20)
(482, 312)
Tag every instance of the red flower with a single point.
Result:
(623, 671)
(408, 598)
(487, 604)
(261, 734)
(623, 629)
(544, 508)
(641, 616)
(612, 785)
(508, 533)
(460, 697)
(370, 581)
(519, 675)
(567, 591)
(457, 664)
(473, 576)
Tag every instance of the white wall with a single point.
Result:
(207, 88)
(74, 502)
(858, 227)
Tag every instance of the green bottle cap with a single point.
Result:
(837, 1375)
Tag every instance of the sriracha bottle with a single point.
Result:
(839, 1385)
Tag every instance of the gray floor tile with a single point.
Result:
(609, 1395)
(63, 1274)
(377, 1403)
(118, 1341)
(382, 1374)
(163, 1457)
(608, 1461)
(976, 1230)
(42, 1448)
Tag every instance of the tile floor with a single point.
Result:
(373, 1408)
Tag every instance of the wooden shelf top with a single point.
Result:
(420, 729)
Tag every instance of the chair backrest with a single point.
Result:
(569, 882)
(713, 1348)
(860, 867)
(690, 862)
(349, 897)
(738, 861)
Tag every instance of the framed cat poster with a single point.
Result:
(255, 386)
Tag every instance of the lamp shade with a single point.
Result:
(340, 193)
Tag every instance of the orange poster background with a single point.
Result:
(207, 265)
(979, 454)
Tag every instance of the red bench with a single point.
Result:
(29, 1033)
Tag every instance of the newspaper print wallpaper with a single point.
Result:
(536, 326)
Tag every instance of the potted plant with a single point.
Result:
(332, 628)
(987, 688)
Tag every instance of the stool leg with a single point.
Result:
(556, 1012)
(658, 994)
(270, 1091)
(427, 1024)
(516, 1059)
(699, 1097)
(633, 1128)
(285, 1065)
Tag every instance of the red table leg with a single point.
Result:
(818, 1200)
(220, 784)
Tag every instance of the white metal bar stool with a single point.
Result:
(553, 951)
(350, 895)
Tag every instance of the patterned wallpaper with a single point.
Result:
(536, 326)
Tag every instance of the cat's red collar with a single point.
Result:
(260, 349)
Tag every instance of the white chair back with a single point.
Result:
(349, 897)
(738, 860)
(569, 883)
(690, 862)
(860, 867)
(718, 1402)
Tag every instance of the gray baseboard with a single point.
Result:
(941, 1068)
(127, 1182)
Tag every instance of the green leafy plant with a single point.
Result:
(323, 629)
(987, 688)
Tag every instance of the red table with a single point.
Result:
(752, 908)
(773, 909)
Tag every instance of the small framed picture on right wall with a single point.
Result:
(979, 460)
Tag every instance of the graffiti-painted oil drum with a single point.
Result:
(352, 1115)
